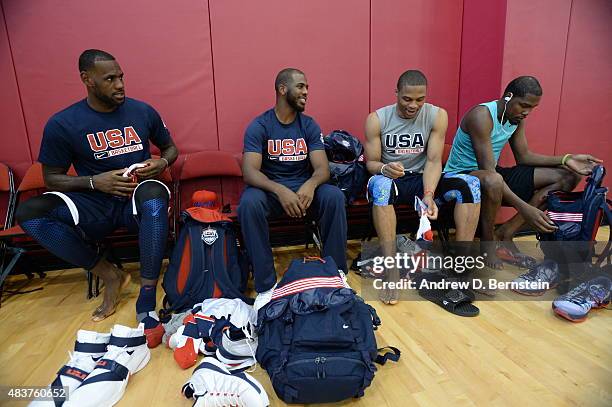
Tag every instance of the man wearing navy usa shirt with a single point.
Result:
(285, 169)
(102, 136)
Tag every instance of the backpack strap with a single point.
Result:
(375, 318)
(605, 206)
(394, 355)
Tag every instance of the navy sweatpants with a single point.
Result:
(257, 206)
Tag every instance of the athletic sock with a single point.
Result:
(147, 299)
(145, 313)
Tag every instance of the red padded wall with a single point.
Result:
(417, 34)
(536, 34)
(14, 151)
(585, 118)
(535, 48)
(252, 41)
(162, 47)
(482, 53)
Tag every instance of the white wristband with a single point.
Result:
(91, 184)
(167, 163)
(382, 168)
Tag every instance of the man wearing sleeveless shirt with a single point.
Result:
(404, 147)
(480, 138)
(285, 168)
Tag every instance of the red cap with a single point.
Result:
(205, 199)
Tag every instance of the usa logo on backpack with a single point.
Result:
(316, 336)
(205, 263)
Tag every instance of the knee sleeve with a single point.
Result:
(150, 190)
(462, 188)
(39, 207)
(48, 220)
(381, 190)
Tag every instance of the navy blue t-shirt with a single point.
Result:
(284, 147)
(96, 142)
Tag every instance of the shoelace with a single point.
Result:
(597, 293)
(229, 397)
(249, 338)
(578, 295)
(531, 275)
(533, 272)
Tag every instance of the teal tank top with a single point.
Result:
(462, 156)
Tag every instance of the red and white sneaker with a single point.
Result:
(127, 354)
(213, 385)
(88, 348)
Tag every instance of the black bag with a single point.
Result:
(346, 164)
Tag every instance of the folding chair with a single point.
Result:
(18, 242)
(7, 185)
(217, 171)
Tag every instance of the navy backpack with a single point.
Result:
(346, 164)
(316, 336)
(206, 262)
(578, 214)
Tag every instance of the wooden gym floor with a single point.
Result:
(515, 353)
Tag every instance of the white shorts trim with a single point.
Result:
(71, 206)
(134, 211)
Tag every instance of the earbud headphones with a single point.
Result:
(507, 99)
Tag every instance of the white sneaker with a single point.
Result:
(88, 348)
(135, 342)
(236, 354)
(106, 384)
(91, 343)
(127, 354)
(213, 385)
(263, 298)
(71, 375)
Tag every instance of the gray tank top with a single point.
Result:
(405, 140)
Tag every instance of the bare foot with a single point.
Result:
(114, 282)
(490, 258)
(505, 238)
(390, 296)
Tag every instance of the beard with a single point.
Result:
(107, 100)
(292, 101)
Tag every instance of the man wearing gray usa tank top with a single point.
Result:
(404, 147)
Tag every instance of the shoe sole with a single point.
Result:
(535, 293)
(572, 318)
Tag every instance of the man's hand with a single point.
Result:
(290, 201)
(305, 195)
(114, 183)
(393, 170)
(432, 208)
(537, 219)
(154, 167)
(582, 164)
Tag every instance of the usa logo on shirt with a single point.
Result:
(287, 150)
(110, 143)
(404, 143)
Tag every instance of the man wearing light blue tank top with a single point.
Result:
(478, 143)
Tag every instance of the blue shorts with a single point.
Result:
(461, 188)
(98, 214)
